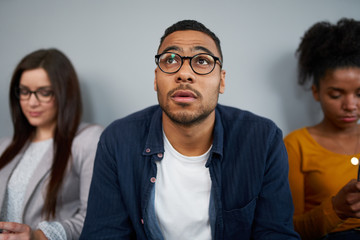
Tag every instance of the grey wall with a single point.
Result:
(112, 44)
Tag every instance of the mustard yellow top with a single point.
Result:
(316, 175)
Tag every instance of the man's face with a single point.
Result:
(185, 97)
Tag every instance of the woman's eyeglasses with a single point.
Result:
(44, 94)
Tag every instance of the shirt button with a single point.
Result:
(160, 155)
(153, 179)
(148, 150)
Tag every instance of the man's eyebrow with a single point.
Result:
(172, 48)
(194, 49)
(204, 49)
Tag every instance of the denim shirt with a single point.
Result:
(250, 196)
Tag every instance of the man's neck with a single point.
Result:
(192, 140)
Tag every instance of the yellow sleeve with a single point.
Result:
(318, 221)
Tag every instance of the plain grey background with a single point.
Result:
(112, 44)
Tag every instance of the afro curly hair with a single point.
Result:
(327, 46)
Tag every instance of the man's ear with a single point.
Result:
(222, 81)
(155, 82)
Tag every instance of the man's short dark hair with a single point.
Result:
(195, 26)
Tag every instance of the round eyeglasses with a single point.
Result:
(202, 63)
(42, 94)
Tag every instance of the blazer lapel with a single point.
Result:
(5, 174)
(41, 171)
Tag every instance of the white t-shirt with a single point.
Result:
(182, 195)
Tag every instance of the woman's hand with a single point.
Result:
(18, 231)
(346, 203)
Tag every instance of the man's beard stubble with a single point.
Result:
(185, 118)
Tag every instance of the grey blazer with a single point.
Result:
(72, 198)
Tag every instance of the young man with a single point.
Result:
(190, 168)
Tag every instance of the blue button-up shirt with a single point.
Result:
(250, 197)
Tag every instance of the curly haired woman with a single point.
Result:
(323, 159)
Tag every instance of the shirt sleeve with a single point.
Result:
(320, 220)
(52, 230)
(274, 208)
(106, 213)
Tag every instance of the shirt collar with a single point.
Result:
(155, 144)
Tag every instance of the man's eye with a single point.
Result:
(171, 60)
(203, 61)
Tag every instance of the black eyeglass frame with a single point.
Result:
(216, 59)
(18, 95)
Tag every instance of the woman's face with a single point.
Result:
(40, 109)
(339, 96)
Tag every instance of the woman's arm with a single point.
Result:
(320, 220)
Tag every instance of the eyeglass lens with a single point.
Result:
(201, 63)
(42, 94)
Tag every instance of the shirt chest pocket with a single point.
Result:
(238, 221)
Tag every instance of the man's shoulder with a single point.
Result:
(137, 120)
(241, 116)
(246, 123)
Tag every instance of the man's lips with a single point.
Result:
(183, 96)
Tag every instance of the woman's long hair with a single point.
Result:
(65, 85)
